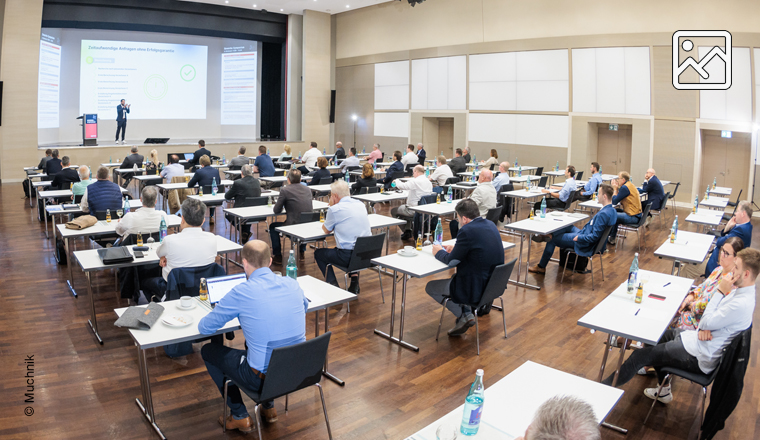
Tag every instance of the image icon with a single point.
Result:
(711, 61)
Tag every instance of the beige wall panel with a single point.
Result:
(668, 101)
(295, 69)
(355, 95)
(583, 143)
(673, 157)
(316, 77)
(528, 155)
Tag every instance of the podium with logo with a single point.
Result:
(89, 129)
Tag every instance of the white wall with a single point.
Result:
(392, 86)
(543, 130)
(734, 104)
(439, 83)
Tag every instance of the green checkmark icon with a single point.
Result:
(187, 72)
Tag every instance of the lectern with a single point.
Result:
(89, 129)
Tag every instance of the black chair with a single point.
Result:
(569, 202)
(726, 216)
(323, 181)
(493, 215)
(251, 201)
(418, 227)
(493, 166)
(450, 181)
(644, 211)
(506, 202)
(369, 190)
(365, 249)
(78, 198)
(291, 368)
(409, 170)
(658, 212)
(542, 182)
(495, 288)
(234, 167)
(599, 249)
(539, 171)
(673, 196)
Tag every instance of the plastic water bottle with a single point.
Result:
(347, 178)
(473, 406)
(109, 159)
(269, 201)
(427, 172)
(715, 182)
(214, 188)
(475, 159)
(162, 229)
(291, 269)
(516, 163)
(224, 159)
(364, 149)
(675, 226)
(374, 166)
(126, 206)
(299, 155)
(543, 207)
(633, 274)
(474, 176)
(556, 167)
(707, 192)
(449, 195)
(519, 171)
(324, 150)
(696, 204)
(438, 238)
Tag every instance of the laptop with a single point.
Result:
(189, 156)
(218, 287)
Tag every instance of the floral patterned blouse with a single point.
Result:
(689, 318)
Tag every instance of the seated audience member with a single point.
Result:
(655, 192)
(101, 194)
(417, 186)
(242, 191)
(205, 178)
(66, 177)
(286, 155)
(347, 219)
(263, 163)
(629, 199)
(395, 167)
(421, 154)
(295, 199)
(146, 219)
(78, 188)
(340, 153)
(728, 313)
(493, 160)
(739, 226)
(239, 160)
(484, 195)
(563, 418)
(503, 177)
(45, 159)
(593, 182)
(441, 174)
(151, 166)
(366, 180)
(457, 164)
(200, 152)
(467, 157)
(350, 161)
(479, 250)
(321, 173)
(557, 200)
(582, 241)
(129, 163)
(191, 247)
(53, 166)
(174, 168)
(272, 313)
(694, 305)
(375, 154)
(309, 158)
(409, 158)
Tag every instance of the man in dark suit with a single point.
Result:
(53, 166)
(458, 164)
(340, 153)
(130, 162)
(200, 152)
(205, 177)
(243, 191)
(295, 199)
(66, 176)
(655, 192)
(121, 120)
(421, 154)
(478, 250)
(395, 167)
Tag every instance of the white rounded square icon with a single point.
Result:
(713, 67)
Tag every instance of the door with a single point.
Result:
(727, 160)
(446, 136)
(430, 136)
(614, 148)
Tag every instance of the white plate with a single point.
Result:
(403, 253)
(177, 319)
(192, 306)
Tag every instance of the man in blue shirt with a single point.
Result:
(558, 200)
(263, 163)
(272, 313)
(347, 219)
(582, 241)
(503, 177)
(205, 178)
(350, 161)
(593, 183)
(655, 193)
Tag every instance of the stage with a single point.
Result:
(141, 144)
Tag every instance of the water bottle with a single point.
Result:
(109, 159)
(126, 206)
(696, 204)
(707, 192)
(633, 273)
(715, 182)
(543, 207)
(556, 167)
(162, 229)
(214, 188)
(291, 270)
(438, 239)
(200, 190)
(299, 156)
(675, 226)
(269, 201)
(474, 159)
(473, 406)
(516, 163)
(374, 166)
(427, 172)
(474, 177)
(519, 171)
(108, 216)
(673, 232)
(324, 150)
(449, 195)
(224, 159)
(364, 149)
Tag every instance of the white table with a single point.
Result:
(554, 174)
(608, 177)
(525, 195)
(281, 179)
(359, 172)
(100, 228)
(242, 215)
(321, 296)
(435, 209)
(512, 401)
(89, 260)
(689, 247)
(619, 315)
(164, 188)
(706, 217)
(419, 266)
(554, 221)
(46, 195)
(55, 210)
(720, 191)
(386, 196)
(524, 179)
(715, 202)
(523, 167)
(591, 205)
(470, 175)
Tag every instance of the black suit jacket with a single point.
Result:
(65, 178)
(655, 191)
(458, 165)
(53, 166)
(200, 152)
(120, 116)
(242, 189)
(478, 250)
(132, 160)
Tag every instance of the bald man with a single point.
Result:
(655, 192)
(484, 196)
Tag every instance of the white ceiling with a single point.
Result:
(296, 6)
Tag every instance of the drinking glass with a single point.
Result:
(427, 239)
(446, 432)
(120, 212)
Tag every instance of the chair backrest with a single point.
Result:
(602, 240)
(234, 167)
(397, 175)
(665, 199)
(207, 189)
(451, 180)
(645, 207)
(539, 171)
(497, 283)
(308, 217)
(255, 201)
(365, 249)
(295, 367)
(409, 170)
(78, 198)
(738, 199)
(368, 190)
(493, 215)
(570, 199)
(101, 215)
(186, 281)
(675, 190)
(579, 175)
(493, 166)
(131, 239)
(325, 181)
(542, 182)
(428, 198)
(354, 168)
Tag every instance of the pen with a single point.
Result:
(637, 312)
(666, 285)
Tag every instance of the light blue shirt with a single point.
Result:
(568, 189)
(592, 185)
(501, 179)
(271, 310)
(350, 161)
(348, 220)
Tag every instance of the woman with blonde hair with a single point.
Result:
(492, 161)
(151, 167)
(285, 154)
(367, 180)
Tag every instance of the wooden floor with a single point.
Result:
(85, 390)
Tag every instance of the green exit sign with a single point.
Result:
(613, 127)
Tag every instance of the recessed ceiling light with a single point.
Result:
(348, 6)
(226, 1)
(281, 10)
(254, 6)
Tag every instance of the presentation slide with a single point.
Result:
(159, 81)
(48, 87)
(239, 69)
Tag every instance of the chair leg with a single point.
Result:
(445, 301)
(224, 413)
(286, 403)
(324, 409)
(659, 388)
(257, 413)
(575, 263)
(563, 272)
(702, 413)
(591, 262)
(503, 318)
(477, 331)
(601, 265)
(380, 277)
(639, 237)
